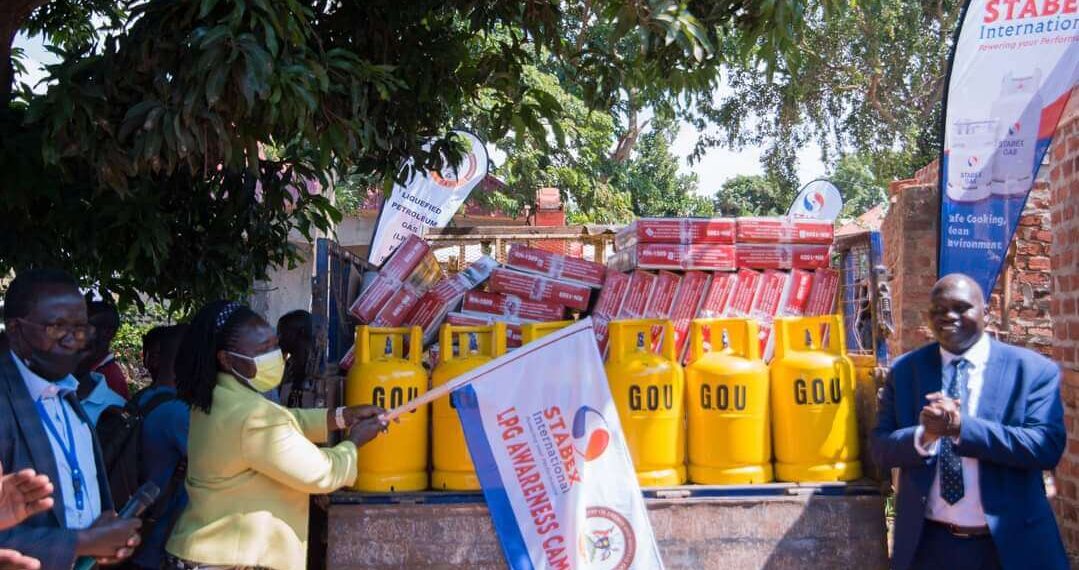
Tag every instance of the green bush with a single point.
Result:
(127, 345)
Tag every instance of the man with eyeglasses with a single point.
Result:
(43, 427)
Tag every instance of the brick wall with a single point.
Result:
(1064, 256)
(550, 212)
(911, 232)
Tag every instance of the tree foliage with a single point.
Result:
(653, 182)
(867, 79)
(861, 189)
(753, 195)
(176, 150)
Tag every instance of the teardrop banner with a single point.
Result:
(818, 200)
(1013, 70)
(428, 199)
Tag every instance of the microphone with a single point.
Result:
(140, 501)
(136, 505)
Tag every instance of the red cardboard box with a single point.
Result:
(676, 230)
(686, 303)
(796, 296)
(637, 294)
(676, 256)
(348, 359)
(600, 326)
(661, 302)
(782, 256)
(745, 290)
(769, 295)
(411, 263)
(405, 258)
(510, 307)
(718, 295)
(374, 298)
(556, 266)
(662, 298)
(766, 304)
(785, 230)
(432, 307)
(610, 298)
(792, 304)
(822, 295)
(513, 330)
(399, 307)
(537, 288)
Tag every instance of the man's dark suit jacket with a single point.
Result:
(24, 443)
(1017, 433)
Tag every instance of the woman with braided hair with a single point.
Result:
(252, 464)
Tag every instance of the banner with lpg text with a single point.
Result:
(544, 435)
(428, 199)
(1013, 70)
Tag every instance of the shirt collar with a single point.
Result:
(40, 387)
(108, 358)
(101, 393)
(977, 354)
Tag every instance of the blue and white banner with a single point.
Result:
(818, 200)
(1013, 70)
(544, 435)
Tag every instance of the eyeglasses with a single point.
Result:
(58, 332)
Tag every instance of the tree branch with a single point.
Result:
(12, 15)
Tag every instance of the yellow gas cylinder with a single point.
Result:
(814, 421)
(396, 461)
(453, 468)
(535, 331)
(649, 392)
(730, 434)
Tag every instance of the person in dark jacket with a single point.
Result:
(43, 427)
(971, 423)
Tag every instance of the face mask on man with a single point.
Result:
(51, 365)
(269, 370)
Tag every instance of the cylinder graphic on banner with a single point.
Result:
(970, 166)
(1019, 110)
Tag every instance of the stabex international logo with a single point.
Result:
(1015, 128)
(973, 161)
(590, 434)
(813, 202)
(465, 174)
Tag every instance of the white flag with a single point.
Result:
(544, 435)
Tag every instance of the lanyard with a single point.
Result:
(70, 450)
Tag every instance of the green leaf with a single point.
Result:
(206, 7)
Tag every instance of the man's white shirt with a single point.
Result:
(967, 511)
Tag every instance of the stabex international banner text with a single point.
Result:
(1013, 70)
(544, 435)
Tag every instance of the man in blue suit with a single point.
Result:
(971, 423)
(43, 427)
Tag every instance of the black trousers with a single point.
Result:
(939, 549)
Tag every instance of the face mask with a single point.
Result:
(269, 370)
(51, 366)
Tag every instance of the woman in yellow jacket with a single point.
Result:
(252, 464)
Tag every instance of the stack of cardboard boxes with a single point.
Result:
(534, 286)
(663, 268)
(746, 267)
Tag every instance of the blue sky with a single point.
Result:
(715, 167)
